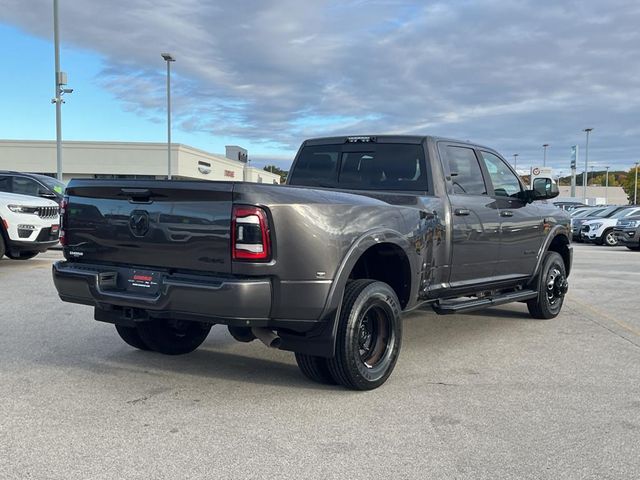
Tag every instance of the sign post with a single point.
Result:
(574, 161)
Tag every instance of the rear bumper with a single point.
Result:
(241, 302)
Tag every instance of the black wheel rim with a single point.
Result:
(556, 285)
(374, 335)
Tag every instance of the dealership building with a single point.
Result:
(596, 195)
(140, 160)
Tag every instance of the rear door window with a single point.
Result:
(465, 172)
(26, 186)
(5, 184)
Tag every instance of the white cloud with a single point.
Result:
(511, 74)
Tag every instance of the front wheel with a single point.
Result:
(610, 239)
(173, 337)
(369, 335)
(552, 287)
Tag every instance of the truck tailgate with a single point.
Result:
(181, 225)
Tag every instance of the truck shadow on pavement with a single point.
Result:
(222, 358)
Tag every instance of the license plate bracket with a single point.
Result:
(145, 282)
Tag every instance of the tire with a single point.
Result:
(22, 255)
(552, 287)
(173, 337)
(634, 248)
(3, 249)
(609, 238)
(131, 337)
(369, 335)
(315, 369)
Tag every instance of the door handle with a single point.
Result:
(461, 212)
(506, 213)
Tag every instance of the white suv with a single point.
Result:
(28, 225)
(600, 230)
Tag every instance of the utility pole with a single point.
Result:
(168, 58)
(606, 187)
(574, 161)
(60, 82)
(635, 194)
(544, 162)
(586, 167)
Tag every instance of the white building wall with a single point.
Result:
(87, 159)
(598, 195)
(258, 175)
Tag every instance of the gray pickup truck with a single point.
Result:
(365, 229)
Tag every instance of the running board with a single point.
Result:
(451, 307)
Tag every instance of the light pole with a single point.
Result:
(586, 167)
(635, 193)
(168, 58)
(544, 162)
(606, 187)
(60, 82)
(515, 161)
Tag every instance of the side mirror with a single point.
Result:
(544, 189)
(47, 194)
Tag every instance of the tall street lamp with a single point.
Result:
(544, 162)
(586, 167)
(60, 90)
(606, 187)
(168, 58)
(515, 161)
(635, 194)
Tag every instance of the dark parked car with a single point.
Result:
(32, 184)
(628, 232)
(366, 228)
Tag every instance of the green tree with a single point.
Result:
(273, 169)
(629, 183)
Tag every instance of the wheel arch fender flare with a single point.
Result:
(556, 231)
(333, 304)
(355, 252)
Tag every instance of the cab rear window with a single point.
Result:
(366, 166)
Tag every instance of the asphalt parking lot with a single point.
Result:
(492, 394)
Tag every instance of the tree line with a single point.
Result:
(598, 178)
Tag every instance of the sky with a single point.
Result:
(511, 74)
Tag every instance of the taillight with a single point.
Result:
(62, 238)
(250, 234)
